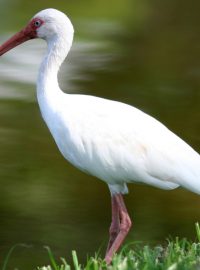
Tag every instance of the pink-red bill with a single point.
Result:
(25, 34)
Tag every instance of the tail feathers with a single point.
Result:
(191, 181)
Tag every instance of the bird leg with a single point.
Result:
(115, 224)
(122, 223)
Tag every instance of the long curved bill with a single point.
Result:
(20, 37)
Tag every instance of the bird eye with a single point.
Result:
(37, 23)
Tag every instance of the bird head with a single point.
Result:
(46, 24)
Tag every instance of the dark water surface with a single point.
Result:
(145, 54)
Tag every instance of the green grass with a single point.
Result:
(177, 254)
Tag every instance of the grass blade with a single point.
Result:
(52, 259)
(66, 266)
(75, 260)
(197, 230)
(5, 263)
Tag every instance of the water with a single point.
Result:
(143, 54)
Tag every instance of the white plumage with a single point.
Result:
(108, 139)
(113, 141)
(120, 144)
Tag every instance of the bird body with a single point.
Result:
(111, 140)
(120, 144)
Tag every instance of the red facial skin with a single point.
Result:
(29, 32)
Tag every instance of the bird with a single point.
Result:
(111, 140)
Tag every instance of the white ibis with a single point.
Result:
(115, 142)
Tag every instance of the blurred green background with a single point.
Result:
(145, 53)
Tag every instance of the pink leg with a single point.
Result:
(124, 227)
(115, 224)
